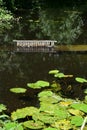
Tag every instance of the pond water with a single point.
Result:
(19, 68)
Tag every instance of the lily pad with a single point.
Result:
(76, 112)
(45, 93)
(47, 99)
(59, 75)
(13, 126)
(55, 110)
(62, 125)
(81, 80)
(2, 107)
(85, 91)
(33, 125)
(77, 120)
(45, 118)
(38, 84)
(51, 128)
(18, 90)
(80, 106)
(85, 99)
(23, 112)
(53, 71)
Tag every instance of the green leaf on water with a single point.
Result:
(85, 99)
(33, 125)
(80, 106)
(59, 75)
(62, 125)
(23, 112)
(85, 91)
(77, 120)
(50, 128)
(13, 126)
(47, 99)
(38, 84)
(54, 109)
(2, 107)
(81, 80)
(53, 71)
(18, 90)
(45, 93)
(10, 125)
(44, 117)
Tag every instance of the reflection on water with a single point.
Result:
(17, 69)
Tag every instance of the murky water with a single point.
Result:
(18, 69)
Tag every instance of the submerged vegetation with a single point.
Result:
(55, 111)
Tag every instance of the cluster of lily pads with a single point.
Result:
(55, 112)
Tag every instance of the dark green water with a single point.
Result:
(18, 69)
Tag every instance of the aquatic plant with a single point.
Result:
(54, 112)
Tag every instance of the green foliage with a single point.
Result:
(67, 25)
(80, 106)
(33, 125)
(23, 112)
(50, 128)
(18, 90)
(6, 19)
(58, 74)
(54, 112)
(85, 91)
(53, 71)
(13, 126)
(38, 84)
(76, 120)
(81, 80)
(2, 107)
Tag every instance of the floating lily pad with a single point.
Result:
(80, 106)
(69, 76)
(18, 90)
(62, 125)
(85, 91)
(65, 103)
(23, 112)
(59, 75)
(45, 93)
(77, 120)
(76, 112)
(85, 99)
(81, 80)
(48, 108)
(45, 118)
(53, 71)
(38, 84)
(33, 125)
(51, 128)
(55, 110)
(47, 99)
(13, 126)
(2, 107)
